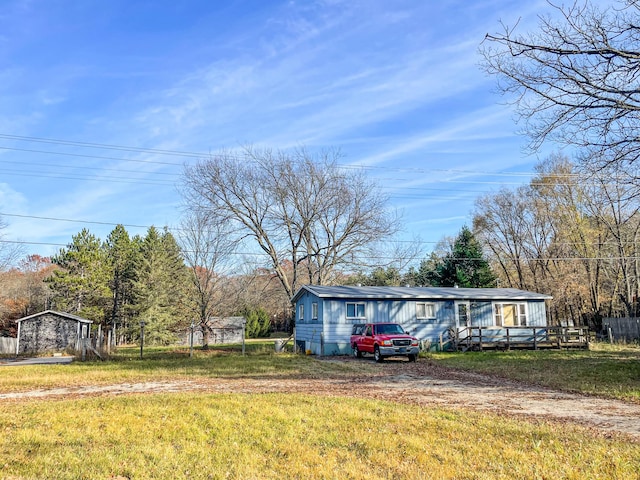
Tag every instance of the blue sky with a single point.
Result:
(395, 85)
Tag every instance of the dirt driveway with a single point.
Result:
(419, 383)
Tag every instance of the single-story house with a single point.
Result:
(324, 315)
(50, 331)
(224, 330)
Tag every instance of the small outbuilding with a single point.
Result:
(222, 330)
(227, 329)
(324, 315)
(51, 331)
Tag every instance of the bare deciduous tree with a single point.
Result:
(206, 246)
(10, 252)
(577, 79)
(571, 234)
(502, 222)
(301, 210)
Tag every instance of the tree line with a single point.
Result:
(567, 233)
(571, 232)
(574, 81)
(123, 280)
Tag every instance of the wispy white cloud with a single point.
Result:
(395, 84)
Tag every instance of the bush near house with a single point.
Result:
(258, 323)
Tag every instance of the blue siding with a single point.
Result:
(329, 334)
(481, 314)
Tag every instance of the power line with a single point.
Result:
(174, 229)
(198, 155)
(177, 229)
(380, 257)
(104, 146)
(24, 242)
(84, 155)
(91, 168)
(189, 154)
(72, 220)
(109, 179)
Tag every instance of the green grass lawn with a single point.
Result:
(171, 363)
(605, 370)
(244, 436)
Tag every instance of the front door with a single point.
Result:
(463, 315)
(509, 315)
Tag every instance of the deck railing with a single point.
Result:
(479, 338)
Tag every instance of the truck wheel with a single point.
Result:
(376, 354)
(356, 353)
(412, 357)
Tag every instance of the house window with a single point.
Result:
(425, 310)
(522, 314)
(314, 311)
(510, 314)
(498, 315)
(355, 310)
(301, 312)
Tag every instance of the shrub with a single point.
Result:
(258, 322)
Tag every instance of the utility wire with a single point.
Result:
(207, 155)
(95, 222)
(103, 146)
(119, 170)
(109, 179)
(97, 157)
(72, 220)
(380, 257)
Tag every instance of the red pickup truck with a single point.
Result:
(383, 340)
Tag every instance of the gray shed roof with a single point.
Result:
(420, 293)
(226, 322)
(53, 312)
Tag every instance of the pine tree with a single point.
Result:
(80, 284)
(428, 272)
(389, 277)
(121, 254)
(159, 288)
(465, 265)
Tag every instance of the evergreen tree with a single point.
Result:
(159, 289)
(466, 266)
(121, 254)
(463, 265)
(428, 272)
(80, 285)
(389, 277)
(258, 322)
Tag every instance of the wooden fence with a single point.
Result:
(480, 338)
(622, 329)
(8, 345)
(87, 346)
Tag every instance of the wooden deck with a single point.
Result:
(507, 338)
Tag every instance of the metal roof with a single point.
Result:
(420, 293)
(59, 314)
(226, 322)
